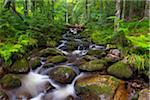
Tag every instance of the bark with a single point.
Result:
(147, 10)
(123, 9)
(26, 8)
(66, 15)
(53, 10)
(100, 8)
(131, 10)
(33, 5)
(117, 14)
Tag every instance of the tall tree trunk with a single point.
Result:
(86, 9)
(131, 10)
(147, 9)
(101, 6)
(33, 5)
(66, 13)
(117, 14)
(123, 9)
(53, 10)
(25, 8)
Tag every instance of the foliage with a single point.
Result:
(138, 61)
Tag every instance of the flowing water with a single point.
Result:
(35, 81)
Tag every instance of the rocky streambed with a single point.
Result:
(75, 70)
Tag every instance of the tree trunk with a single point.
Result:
(26, 8)
(123, 9)
(131, 10)
(53, 10)
(100, 8)
(86, 8)
(117, 14)
(147, 10)
(33, 6)
(66, 15)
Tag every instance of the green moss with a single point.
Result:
(10, 81)
(56, 59)
(35, 62)
(49, 51)
(94, 65)
(20, 66)
(95, 52)
(120, 70)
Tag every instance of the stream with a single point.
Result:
(35, 82)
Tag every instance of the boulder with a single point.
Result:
(49, 52)
(34, 62)
(62, 74)
(96, 87)
(10, 81)
(120, 69)
(56, 59)
(20, 66)
(96, 53)
(94, 65)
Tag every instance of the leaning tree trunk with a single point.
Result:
(53, 10)
(86, 8)
(117, 14)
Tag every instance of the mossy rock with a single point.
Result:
(3, 96)
(96, 53)
(34, 62)
(63, 74)
(97, 85)
(20, 66)
(72, 46)
(51, 43)
(48, 65)
(94, 65)
(10, 81)
(49, 52)
(89, 58)
(120, 70)
(56, 59)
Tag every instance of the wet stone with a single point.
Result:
(24, 95)
(144, 94)
(98, 87)
(56, 59)
(34, 62)
(63, 74)
(10, 81)
(20, 66)
(49, 52)
(120, 69)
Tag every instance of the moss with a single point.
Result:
(10, 81)
(95, 52)
(49, 51)
(51, 43)
(56, 59)
(20, 66)
(35, 62)
(62, 74)
(120, 69)
(97, 84)
(94, 65)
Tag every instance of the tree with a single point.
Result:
(146, 11)
(26, 8)
(123, 9)
(117, 14)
